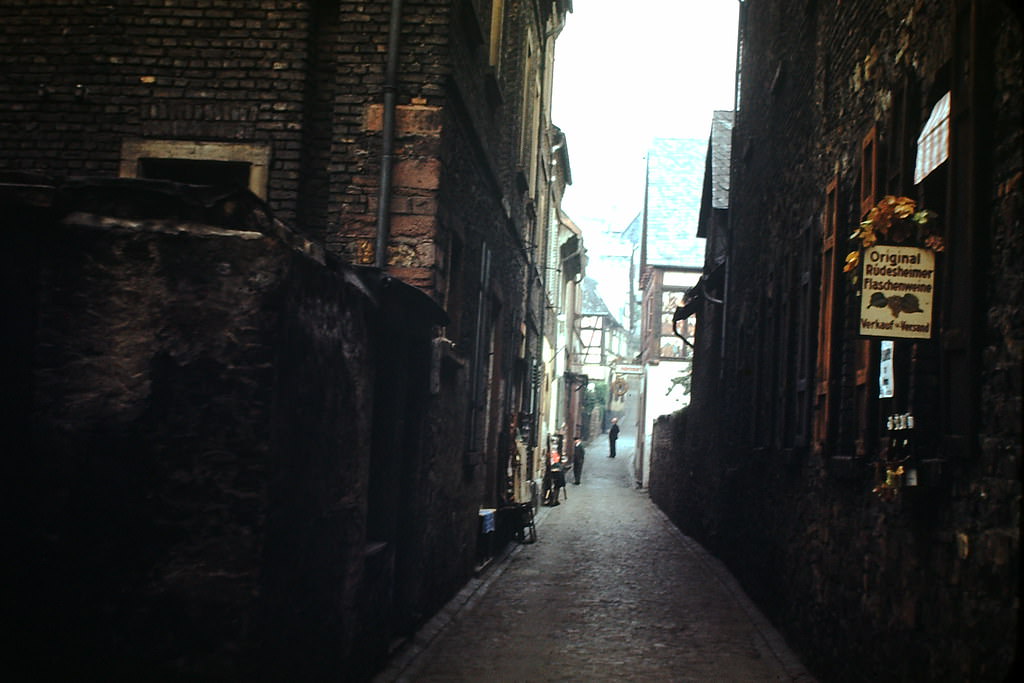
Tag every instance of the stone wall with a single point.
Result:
(665, 465)
(194, 396)
(924, 585)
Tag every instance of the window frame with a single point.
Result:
(134, 150)
(868, 170)
(824, 422)
(863, 355)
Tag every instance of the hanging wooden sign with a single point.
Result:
(897, 288)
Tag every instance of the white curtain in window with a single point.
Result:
(933, 142)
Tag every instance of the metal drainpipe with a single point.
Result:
(388, 136)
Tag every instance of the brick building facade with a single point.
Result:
(880, 530)
(365, 431)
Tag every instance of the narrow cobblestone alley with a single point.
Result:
(610, 591)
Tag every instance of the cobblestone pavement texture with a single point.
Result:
(610, 591)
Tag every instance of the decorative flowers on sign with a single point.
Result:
(889, 478)
(894, 220)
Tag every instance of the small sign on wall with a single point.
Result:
(885, 372)
(897, 289)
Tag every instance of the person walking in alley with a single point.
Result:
(577, 461)
(554, 474)
(557, 484)
(613, 436)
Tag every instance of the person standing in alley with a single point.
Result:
(613, 436)
(577, 461)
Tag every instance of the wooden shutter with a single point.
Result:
(868, 170)
(804, 338)
(863, 398)
(967, 214)
(826, 319)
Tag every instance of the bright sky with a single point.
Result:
(626, 72)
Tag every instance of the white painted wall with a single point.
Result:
(660, 401)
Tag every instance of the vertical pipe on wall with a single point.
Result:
(388, 135)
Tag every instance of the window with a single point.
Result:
(670, 345)
(863, 397)
(966, 204)
(933, 142)
(453, 295)
(904, 122)
(483, 349)
(197, 171)
(530, 113)
(826, 320)
(198, 163)
(497, 22)
(868, 171)
(803, 324)
(592, 337)
(674, 286)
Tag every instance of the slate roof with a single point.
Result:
(592, 303)
(632, 232)
(675, 179)
(720, 151)
(715, 195)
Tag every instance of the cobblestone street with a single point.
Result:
(610, 591)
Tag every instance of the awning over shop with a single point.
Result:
(933, 142)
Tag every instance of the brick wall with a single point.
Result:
(82, 77)
(299, 86)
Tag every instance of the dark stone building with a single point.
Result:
(191, 395)
(275, 281)
(868, 496)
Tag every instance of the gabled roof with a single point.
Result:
(592, 303)
(675, 178)
(716, 171)
(720, 151)
(561, 149)
(632, 232)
